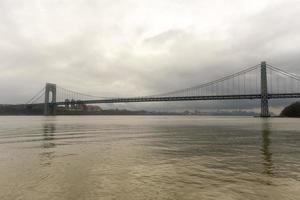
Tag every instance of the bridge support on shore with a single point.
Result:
(50, 107)
(264, 91)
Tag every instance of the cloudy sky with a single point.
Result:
(139, 47)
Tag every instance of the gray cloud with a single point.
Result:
(132, 48)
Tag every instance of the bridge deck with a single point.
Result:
(187, 98)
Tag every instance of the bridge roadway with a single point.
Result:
(187, 98)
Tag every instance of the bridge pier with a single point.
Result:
(264, 91)
(50, 107)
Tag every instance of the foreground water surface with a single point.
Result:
(149, 157)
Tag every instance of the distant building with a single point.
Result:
(93, 108)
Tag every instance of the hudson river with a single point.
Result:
(149, 157)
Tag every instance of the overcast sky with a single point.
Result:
(139, 47)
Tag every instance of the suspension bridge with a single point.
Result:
(262, 81)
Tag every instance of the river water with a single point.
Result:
(149, 157)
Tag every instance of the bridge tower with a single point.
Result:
(264, 91)
(49, 106)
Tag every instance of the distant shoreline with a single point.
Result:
(208, 115)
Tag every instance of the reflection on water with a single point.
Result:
(145, 157)
(48, 135)
(266, 152)
(48, 143)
